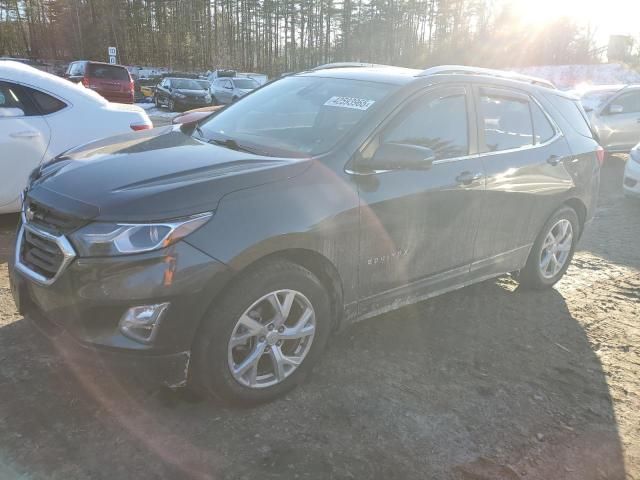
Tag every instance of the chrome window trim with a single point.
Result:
(63, 244)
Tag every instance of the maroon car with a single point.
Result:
(113, 82)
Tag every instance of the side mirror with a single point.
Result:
(399, 156)
(615, 109)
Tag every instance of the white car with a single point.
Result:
(42, 115)
(631, 182)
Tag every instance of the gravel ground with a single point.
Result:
(485, 383)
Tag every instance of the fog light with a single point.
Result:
(140, 323)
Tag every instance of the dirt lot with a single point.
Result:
(485, 383)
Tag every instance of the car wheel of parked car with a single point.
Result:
(214, 100)
(263, 336)
(552, 251)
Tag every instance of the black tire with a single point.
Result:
(210, 371)
(214, 100)
(531, 276)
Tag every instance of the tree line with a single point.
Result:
(276, 36)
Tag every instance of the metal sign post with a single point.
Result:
(112, 55)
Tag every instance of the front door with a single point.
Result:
(24, 138)
(418, 226)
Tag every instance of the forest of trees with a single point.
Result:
(275, 36)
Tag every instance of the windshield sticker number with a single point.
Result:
(349, 102)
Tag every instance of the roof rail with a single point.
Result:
(347, 65)
(463, 69)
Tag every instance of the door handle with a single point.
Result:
(554, 160)
(25, 134)
(467, 178)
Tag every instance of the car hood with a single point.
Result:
(152, 175)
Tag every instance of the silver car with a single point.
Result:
(614, 112)
(225, 90)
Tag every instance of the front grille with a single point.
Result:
(50, 220)
(41, 254)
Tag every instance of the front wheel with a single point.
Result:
(552, 251)
(263, 336)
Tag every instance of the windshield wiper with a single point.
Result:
(231, 144)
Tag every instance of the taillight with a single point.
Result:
(131, 86)
(140, 126)
(600, 154)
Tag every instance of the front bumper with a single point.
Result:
(631, 180)
(82, 308)
(190, 102)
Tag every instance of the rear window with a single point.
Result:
(573, 113)
(108, 72)
(46, 103)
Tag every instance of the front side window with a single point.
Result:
(295, 116)
(506, 122)
(437, 122)
(247, 83)
(630, 102)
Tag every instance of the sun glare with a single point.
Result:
(606, 17)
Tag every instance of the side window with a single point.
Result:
(506, 121)
(437, 122)
(543, 131)
(76, 69)
(630, 102)
(46, 103)
(14, 102)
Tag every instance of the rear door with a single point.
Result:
(622, 120)
(24, 138)
(418, 226)
(523, 155)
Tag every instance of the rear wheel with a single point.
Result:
(552, 251)
(263, 337)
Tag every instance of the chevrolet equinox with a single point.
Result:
(222, 254)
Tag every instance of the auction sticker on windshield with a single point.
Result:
(349, 102)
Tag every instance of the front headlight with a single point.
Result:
(109, 239)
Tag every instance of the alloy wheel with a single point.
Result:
(271, 339)
(556, 248)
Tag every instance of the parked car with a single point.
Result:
(243, 242)
(261, 78)
(227, 90)
(180, 93)
(195, 115)
(631, 182)
(42, 115)
(113, 82)
(614, 113)
(204, 84)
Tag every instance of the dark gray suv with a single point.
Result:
(223, 254)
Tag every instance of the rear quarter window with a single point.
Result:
(46, 103)
(108, 72)
(573, 113)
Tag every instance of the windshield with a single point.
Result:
(245, 83)
(204, 84)
(296, 116)
(185, 84)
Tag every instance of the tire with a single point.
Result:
(214, 100)
(213, 356)
(234, 99)
(534, 275)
